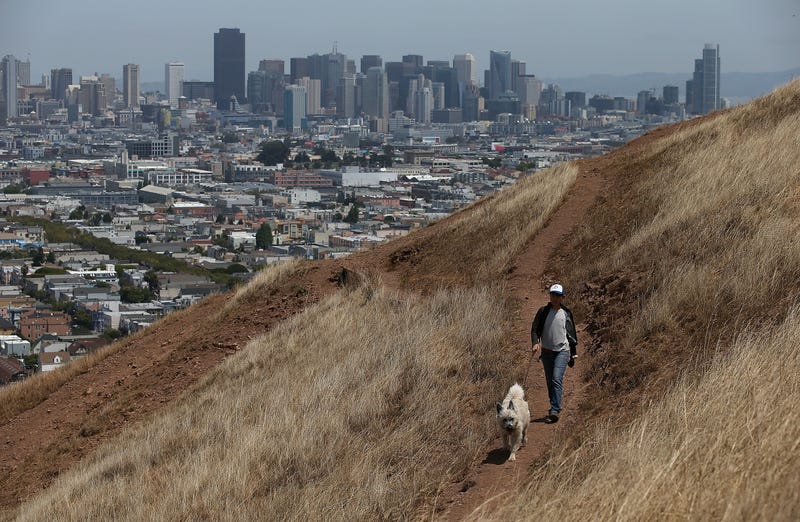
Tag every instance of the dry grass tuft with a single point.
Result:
(262, 283)
(361, 407)
(478, 243)
(722, 447)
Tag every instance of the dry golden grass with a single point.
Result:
(352, 410)
(267, 277)
(725, 446)
(710, 258)
(478, 243)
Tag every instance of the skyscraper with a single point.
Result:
(131, 78)
(313, 94)
(370, 60)
(228, 66)
(60, 79)
(24, 72)
(670, 94)
(173, 81)
(275, 66)
(702, 91)
(294, 110)
(499, 73)
(9, 68)
(375, 98)
(464, 64)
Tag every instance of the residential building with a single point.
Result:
(229, 60)
(35, 324)
(49, 361)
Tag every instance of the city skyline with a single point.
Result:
(592, 38)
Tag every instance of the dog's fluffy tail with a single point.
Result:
(516, 392)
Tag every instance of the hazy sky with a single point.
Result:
(556, 38)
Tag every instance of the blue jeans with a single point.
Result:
(555, 363)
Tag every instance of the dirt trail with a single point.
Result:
(527, 285)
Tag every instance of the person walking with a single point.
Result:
(553, 332)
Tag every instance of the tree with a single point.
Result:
(107, 218)
(110, 334)
(264, 236)
(352, 215)
(151, 278)
(140, 237)
(77, 213)
(82, 319)
(133, 294)
(38, 257)
(51, 257)
(273, 152)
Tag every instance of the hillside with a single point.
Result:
(363, 388)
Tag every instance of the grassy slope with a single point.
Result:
(692, 287)
(347, 410)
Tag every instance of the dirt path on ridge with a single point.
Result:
(528, 289)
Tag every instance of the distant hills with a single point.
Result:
(736, 86)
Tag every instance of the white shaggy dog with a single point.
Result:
(513, 417)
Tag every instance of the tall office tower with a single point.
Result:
(265, 91)
(642, 97)
(437, 90)
(9, 69)
(131, 80)
(92, 95)
(173, 81)
(332, 71)
(370, 60)
(448, 77)
(517, 71)
(689, 102)
(577, 99)
(60, 79)
(228, 67)
(346, 97)
(255, 91)
(499, 73)
(423, 105)
(530, 90)
(24, 72)
(711, 73)
(670, 94)
(313, 94)
(471, 104)
(705, 82)
(464, 64)
(294, 111)
(299, 68)
(415, 59)
(274, 66)
(375, 98)
(109, 88)
(350, 66)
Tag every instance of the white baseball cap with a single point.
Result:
(557, 289)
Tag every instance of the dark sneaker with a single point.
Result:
(551, 419)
